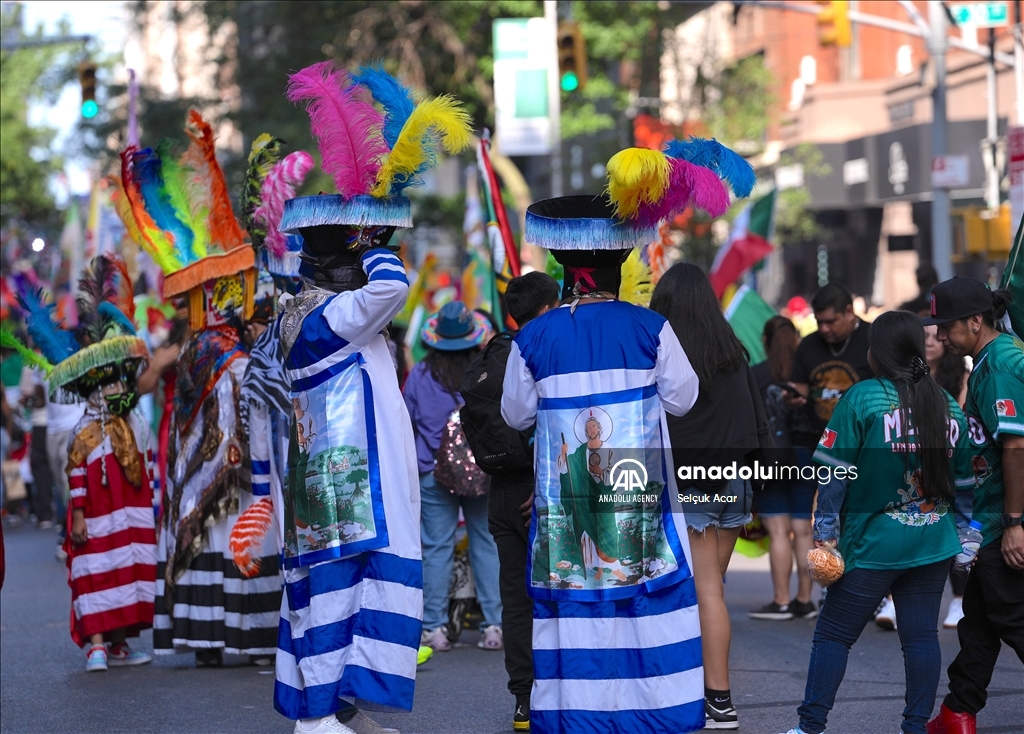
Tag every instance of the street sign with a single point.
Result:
(522, 57)
(981, 15)
(950, 171)
(1015, 152)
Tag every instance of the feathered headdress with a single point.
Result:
(106, 332)
(280, 251)
(372, 154)
(178, 210)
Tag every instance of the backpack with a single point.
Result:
(497, 447)
(454, 465)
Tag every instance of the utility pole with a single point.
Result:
(942, 235)
(554, 96)
(991, 169)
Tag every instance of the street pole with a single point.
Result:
(942, 236)
(991, 170)
(554, 97)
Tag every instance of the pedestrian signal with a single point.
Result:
(87, 78)
(572, 57)
(834, 27)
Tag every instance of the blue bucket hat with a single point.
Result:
(455, 328)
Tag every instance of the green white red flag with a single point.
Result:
(749, 243)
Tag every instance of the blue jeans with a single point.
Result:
(848, 607)
(439, 516)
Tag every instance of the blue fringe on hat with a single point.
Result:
(586, 233)
(359, 211)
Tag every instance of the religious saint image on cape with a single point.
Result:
(600, 516)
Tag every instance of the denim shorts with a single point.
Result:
(793, 498)
(727, 507)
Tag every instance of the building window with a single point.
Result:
(808, 70)
(904, 60)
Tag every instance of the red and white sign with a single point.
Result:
(1006, 409)
(1015, 152)
(828, 438)
(950, 171)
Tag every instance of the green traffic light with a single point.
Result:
(90, 109)
(570, 82)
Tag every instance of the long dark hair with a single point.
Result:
(447, 368)
(897, 347)
(685, 297)
(780, 341)
(951, 373)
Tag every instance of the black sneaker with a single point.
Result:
(803, 609)
(521, 718)
(772, 611)
(720, 718)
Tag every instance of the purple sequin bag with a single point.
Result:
(454, 466)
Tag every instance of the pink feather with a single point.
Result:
(688, 185)
(347, 126)
(279, 186)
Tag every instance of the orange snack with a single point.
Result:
(825, 565)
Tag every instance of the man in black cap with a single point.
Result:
(966, 313)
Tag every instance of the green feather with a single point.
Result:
(9, 341)
(265, 152)
(175, 186)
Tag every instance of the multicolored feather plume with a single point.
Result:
(247, 536)
(147, 235)
(345, 123)
(105, 299)
(442, 119)
(391, 94)
(147, 170)
(55, 343)
(9, 341)
(689, 184)
(201, 157)
(711, 154)
(709, 193)
(179, 189)
(278, 187)
(636, 176)
(263, 155)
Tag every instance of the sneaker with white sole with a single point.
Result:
(803, 609)
(795, 730)
(720, 716)
(886, 618)
(955, 613)
(363, 724)
(325, 725)
(96, 659)
(773, 611)
(493, 639)
(437, 639)
(121, 656)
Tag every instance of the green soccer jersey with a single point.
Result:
(995, 406)
(885, 522)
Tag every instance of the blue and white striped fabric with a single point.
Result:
(350, 628)
(626, 666)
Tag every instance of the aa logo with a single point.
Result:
(628, 475)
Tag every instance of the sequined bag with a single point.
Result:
(455, 468)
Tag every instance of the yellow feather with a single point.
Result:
(443, 117)
(636, 286)
(636, 176)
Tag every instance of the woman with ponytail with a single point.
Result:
(887, 475)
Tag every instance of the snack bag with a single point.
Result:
(825, 564)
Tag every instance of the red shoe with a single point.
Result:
(950, 722)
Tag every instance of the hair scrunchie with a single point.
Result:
(919, 368)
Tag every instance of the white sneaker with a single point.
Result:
(363, 724)
(886, 619)
(61, 555)
(955, 614)
(326, 725)
(493, 639)
(437, 639)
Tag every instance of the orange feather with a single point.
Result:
(201, 157)
(248, 534)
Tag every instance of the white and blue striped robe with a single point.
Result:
(632, 664)
(350, 627)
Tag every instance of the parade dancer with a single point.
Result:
(179, 211)
(111, 539)
(616, 635)
(353, 602)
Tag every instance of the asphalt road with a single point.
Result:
(44, 687)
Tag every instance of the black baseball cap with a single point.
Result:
(957, 298)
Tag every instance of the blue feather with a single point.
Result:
(711, 154)
(110, 312)
(393, 96)
(55, 343)
(149, 174)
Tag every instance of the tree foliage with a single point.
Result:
(794, 222)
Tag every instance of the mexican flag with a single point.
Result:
(749, 243)
(747, 313)
(1013, 278)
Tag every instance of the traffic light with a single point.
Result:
(87, 78)
(834, 27)
(572, 57)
